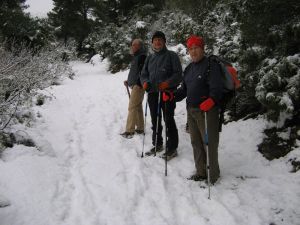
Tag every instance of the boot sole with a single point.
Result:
(127, 136)
(150, 153)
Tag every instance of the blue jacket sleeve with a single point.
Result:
(176, 76)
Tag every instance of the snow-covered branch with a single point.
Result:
(22, 73)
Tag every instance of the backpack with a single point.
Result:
(229, 74)
(230, 80)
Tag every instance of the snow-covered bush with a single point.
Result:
(112, 42)
(221, 32)
(24, 72)
(177, 26)
(279, 86)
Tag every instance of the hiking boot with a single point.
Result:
(152, 150)
(127, 135)
(215, 180)
(139, 131)
(170, 154)
(197, 177)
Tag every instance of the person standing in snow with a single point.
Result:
(203, 91)
(135, 118)
(161, 75)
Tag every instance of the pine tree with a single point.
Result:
(259, 19)
(17, 27)
(12, 5)
(70, 19)
(11, 12)
(195, 8)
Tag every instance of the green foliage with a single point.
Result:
(111, 43)
(221, 32)
(18, 27)
(176, 25)
(70, 19)
(197, 9)
(291, 38)
(250, 59)
(260, 18)
(269, 34)
(278, 87)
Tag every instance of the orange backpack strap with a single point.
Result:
(234, 75)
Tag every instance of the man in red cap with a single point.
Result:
(203, 91)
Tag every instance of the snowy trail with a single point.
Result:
(101, 179)
(101, 166)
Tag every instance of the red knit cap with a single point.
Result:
(195, 40)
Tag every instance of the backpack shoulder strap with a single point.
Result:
(221, 106)
(188, 66)
(215, 59)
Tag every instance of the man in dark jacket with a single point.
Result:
(161, 74)
(203, 90)
(135, 118)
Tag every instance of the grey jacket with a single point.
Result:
(162, 66)
(136, 67)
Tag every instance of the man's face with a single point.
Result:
(158, 44)
(196, 53)
(135, 46)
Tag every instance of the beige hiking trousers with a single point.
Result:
(196, 123)
(135, 118)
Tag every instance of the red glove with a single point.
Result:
(207, 104)
(167, 96)
(163, 86)
(146, 86)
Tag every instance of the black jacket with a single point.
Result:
(162, 66)
(136, 67)
(198, 85)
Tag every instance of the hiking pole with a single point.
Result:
(145, 119)
(207, 154)
(157, 118)
(126, 85)
(166, 138)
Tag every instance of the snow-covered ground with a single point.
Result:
(84, 173)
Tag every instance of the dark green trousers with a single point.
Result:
(197, 132)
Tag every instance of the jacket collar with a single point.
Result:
(141, 51)
(201, 61)
(162, 51)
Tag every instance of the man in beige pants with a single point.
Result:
(135, 118)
